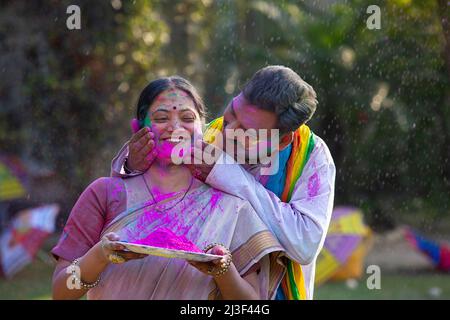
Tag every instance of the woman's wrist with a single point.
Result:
(226, 276)
(226, 261)
(228, 280)
(90, 265)
(99, 255)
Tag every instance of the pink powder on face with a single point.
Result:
(165, 238)
(164, 149)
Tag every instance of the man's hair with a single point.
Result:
(281, 90)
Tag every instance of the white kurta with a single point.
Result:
(300, 225)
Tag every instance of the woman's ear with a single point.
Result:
(286, 139)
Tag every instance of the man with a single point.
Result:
(296, 201)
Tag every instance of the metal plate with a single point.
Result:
(169, 253)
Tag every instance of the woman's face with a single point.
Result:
(173, 118)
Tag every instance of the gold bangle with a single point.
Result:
(212, 245)
(223, 269)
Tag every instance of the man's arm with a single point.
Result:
(118, 163)
(300, 225)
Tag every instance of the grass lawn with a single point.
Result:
(34, 282)
(393, 286)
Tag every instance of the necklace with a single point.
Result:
(182, 198)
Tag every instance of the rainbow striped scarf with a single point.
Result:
(293, 283)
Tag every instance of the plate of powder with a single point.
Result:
(165, 243)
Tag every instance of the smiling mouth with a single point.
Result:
(173, 140)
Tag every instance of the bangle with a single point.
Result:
(128, 170)
(76, 263)
(125, 167)
(227, 264)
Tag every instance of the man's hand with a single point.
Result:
(199, 166)
(141, 152)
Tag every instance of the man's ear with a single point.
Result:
(286, 139)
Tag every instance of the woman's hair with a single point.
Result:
(156, 87)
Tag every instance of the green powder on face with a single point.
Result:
(147, 122)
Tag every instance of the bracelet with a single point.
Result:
(227, 265)
(76, 263)
(128, 170)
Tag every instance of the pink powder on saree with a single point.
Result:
(165, 238)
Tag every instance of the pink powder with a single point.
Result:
(164, 149)
(215, 197)
(117, 190)
(165, 238)
(134, 125)
(313, 185)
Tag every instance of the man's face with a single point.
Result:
(240, 114)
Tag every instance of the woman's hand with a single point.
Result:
(231, 284)
(91, 265)
(116, 252)
(212, 267)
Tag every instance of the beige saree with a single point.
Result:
(203, 215)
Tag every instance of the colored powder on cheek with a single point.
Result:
(165, 149)
(165, 238)
(147, 122)
(313, 185)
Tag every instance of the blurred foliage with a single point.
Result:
(67, 96)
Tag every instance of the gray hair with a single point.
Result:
(279, 89)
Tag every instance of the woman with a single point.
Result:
(166, 197)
